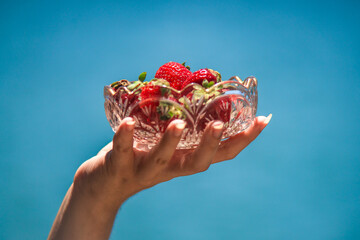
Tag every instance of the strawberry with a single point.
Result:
(219, 109)
(175, 73)
(155, 104)
(223, 108)
(205, 77)
(152, 92)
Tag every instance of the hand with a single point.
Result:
(119, 170)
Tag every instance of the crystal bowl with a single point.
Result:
(233, 102)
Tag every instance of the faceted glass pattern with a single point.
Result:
(233, 102)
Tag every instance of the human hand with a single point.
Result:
(119, 170)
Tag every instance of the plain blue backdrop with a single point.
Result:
(299, 180)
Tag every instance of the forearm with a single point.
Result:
(83, 217)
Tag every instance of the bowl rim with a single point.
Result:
(247, 84)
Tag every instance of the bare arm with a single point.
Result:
(104, 182)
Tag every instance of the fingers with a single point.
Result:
(203, 155)
(231, 147)
(162, 153)
(123, 141)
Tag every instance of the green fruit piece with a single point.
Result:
(142, 76)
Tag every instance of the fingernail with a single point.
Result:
(268, 118)
(217, 129)
(130, 124)
(179, 127)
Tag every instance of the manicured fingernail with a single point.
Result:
(179, 127)
(130, 124)
(217, 129)
(268, 118)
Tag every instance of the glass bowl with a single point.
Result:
(233, 102)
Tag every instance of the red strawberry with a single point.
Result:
(219, 109)
(154, 105)
(154, 90)
(175, 73)
(121, 96)
(224, 107)
(150, 91)
(147, 92)
(200, 75)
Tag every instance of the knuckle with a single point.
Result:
(160, 161)
(109, 164)
(201, 168)
(230, 151)
(146, 182)
(125, 149)
(212, 143)
(124, 180)
(232, 154)
(122, 148)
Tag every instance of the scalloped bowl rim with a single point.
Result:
(247, 84)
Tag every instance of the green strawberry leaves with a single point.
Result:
(142, 76)
(168, 111)
(184, 63)
(207, 84)
(216, 74)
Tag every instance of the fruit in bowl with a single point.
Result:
(198, 98)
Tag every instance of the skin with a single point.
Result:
(103, 183)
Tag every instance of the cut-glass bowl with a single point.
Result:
(233, 102)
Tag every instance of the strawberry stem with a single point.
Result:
(210, 84)
(205, 83)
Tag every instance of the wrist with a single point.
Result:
(94, 198)
(101, 186)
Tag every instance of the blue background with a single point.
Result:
(299, 180)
